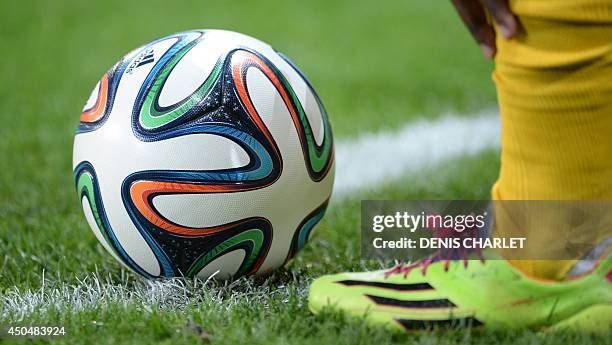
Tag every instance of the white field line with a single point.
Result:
(362, 163)
(175, 294)
(375, 159)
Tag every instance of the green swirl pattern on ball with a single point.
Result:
(255, 236)
(318, 157)
(150, 117)
(85, 183)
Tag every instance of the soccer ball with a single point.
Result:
(203, 153)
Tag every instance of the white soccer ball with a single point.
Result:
(203, 153)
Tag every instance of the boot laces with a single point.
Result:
(443, 255)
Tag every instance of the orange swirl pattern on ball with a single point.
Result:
(241, 60)
(142, 192)
(97, 111)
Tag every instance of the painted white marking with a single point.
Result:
(374, 159)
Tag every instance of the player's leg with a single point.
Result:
(554, 85)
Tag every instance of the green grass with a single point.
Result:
(375, 64)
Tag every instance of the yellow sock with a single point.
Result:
(554, 86)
